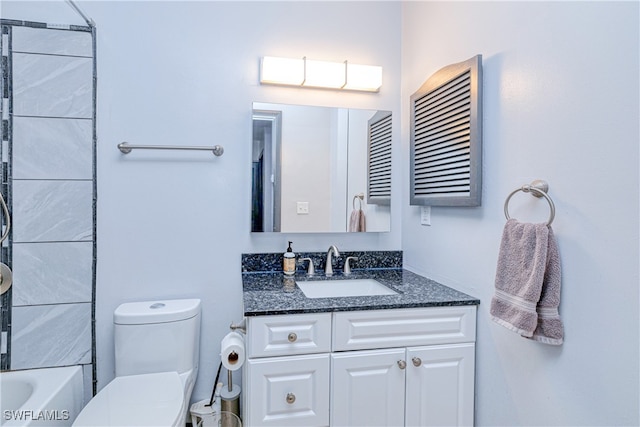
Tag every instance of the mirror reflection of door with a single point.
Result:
(265, 212)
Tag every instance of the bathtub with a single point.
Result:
(41, 397)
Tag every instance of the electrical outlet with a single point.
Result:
(302, 208)
(425, 215)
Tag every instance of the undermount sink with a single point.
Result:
(343, 288)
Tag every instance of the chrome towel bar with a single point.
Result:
(538, 188)
(126, 148)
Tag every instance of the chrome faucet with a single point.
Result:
(328, 268)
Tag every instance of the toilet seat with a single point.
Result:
(136, 400)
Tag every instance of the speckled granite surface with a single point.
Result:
(366, 259)
(271, 292)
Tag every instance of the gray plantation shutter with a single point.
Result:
(379, 159)
(446, 137)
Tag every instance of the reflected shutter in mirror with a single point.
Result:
(379, 159)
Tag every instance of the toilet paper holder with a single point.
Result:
(242, 326)
(232, 355)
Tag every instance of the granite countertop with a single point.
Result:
(267, 293)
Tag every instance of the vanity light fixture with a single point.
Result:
(320, 74)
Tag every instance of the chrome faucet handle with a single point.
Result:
(347, 267)
(310, 269)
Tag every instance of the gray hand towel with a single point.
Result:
(527, 286)
(357, 221)
(550, 329)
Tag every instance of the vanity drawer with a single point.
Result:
(358, 330)
(288, 391)
(288, 335)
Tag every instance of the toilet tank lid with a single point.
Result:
(161, 311)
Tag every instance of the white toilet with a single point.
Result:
(157, 351)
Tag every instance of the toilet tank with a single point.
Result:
(157, 336)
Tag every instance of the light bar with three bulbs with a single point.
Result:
(320, 74)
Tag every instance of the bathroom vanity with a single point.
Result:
(383, 360)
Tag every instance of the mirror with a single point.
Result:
(310, 170)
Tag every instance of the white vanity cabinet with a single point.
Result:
(394, 367)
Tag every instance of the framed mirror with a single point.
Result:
(312, 167)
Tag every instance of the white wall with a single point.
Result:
(561, 104)
(173, 224)
(305, 167)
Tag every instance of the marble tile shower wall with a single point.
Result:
(53, 197)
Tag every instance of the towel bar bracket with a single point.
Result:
(537, 188)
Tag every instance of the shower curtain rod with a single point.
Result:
(75, 7)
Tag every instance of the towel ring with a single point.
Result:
(358, 196)
(537, 188)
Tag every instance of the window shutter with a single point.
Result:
(379, 159)
(446, 137)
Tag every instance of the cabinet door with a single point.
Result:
(440, 381)
(288, 391)
(367, 388)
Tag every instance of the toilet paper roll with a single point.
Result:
(232, 352)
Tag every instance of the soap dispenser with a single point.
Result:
(289, 262)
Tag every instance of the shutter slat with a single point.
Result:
(381, 151)
(458, 102)
(459, 172)
(448, 157)
(439, 141)
(437, 92)
(446, 152)
(459, 119)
